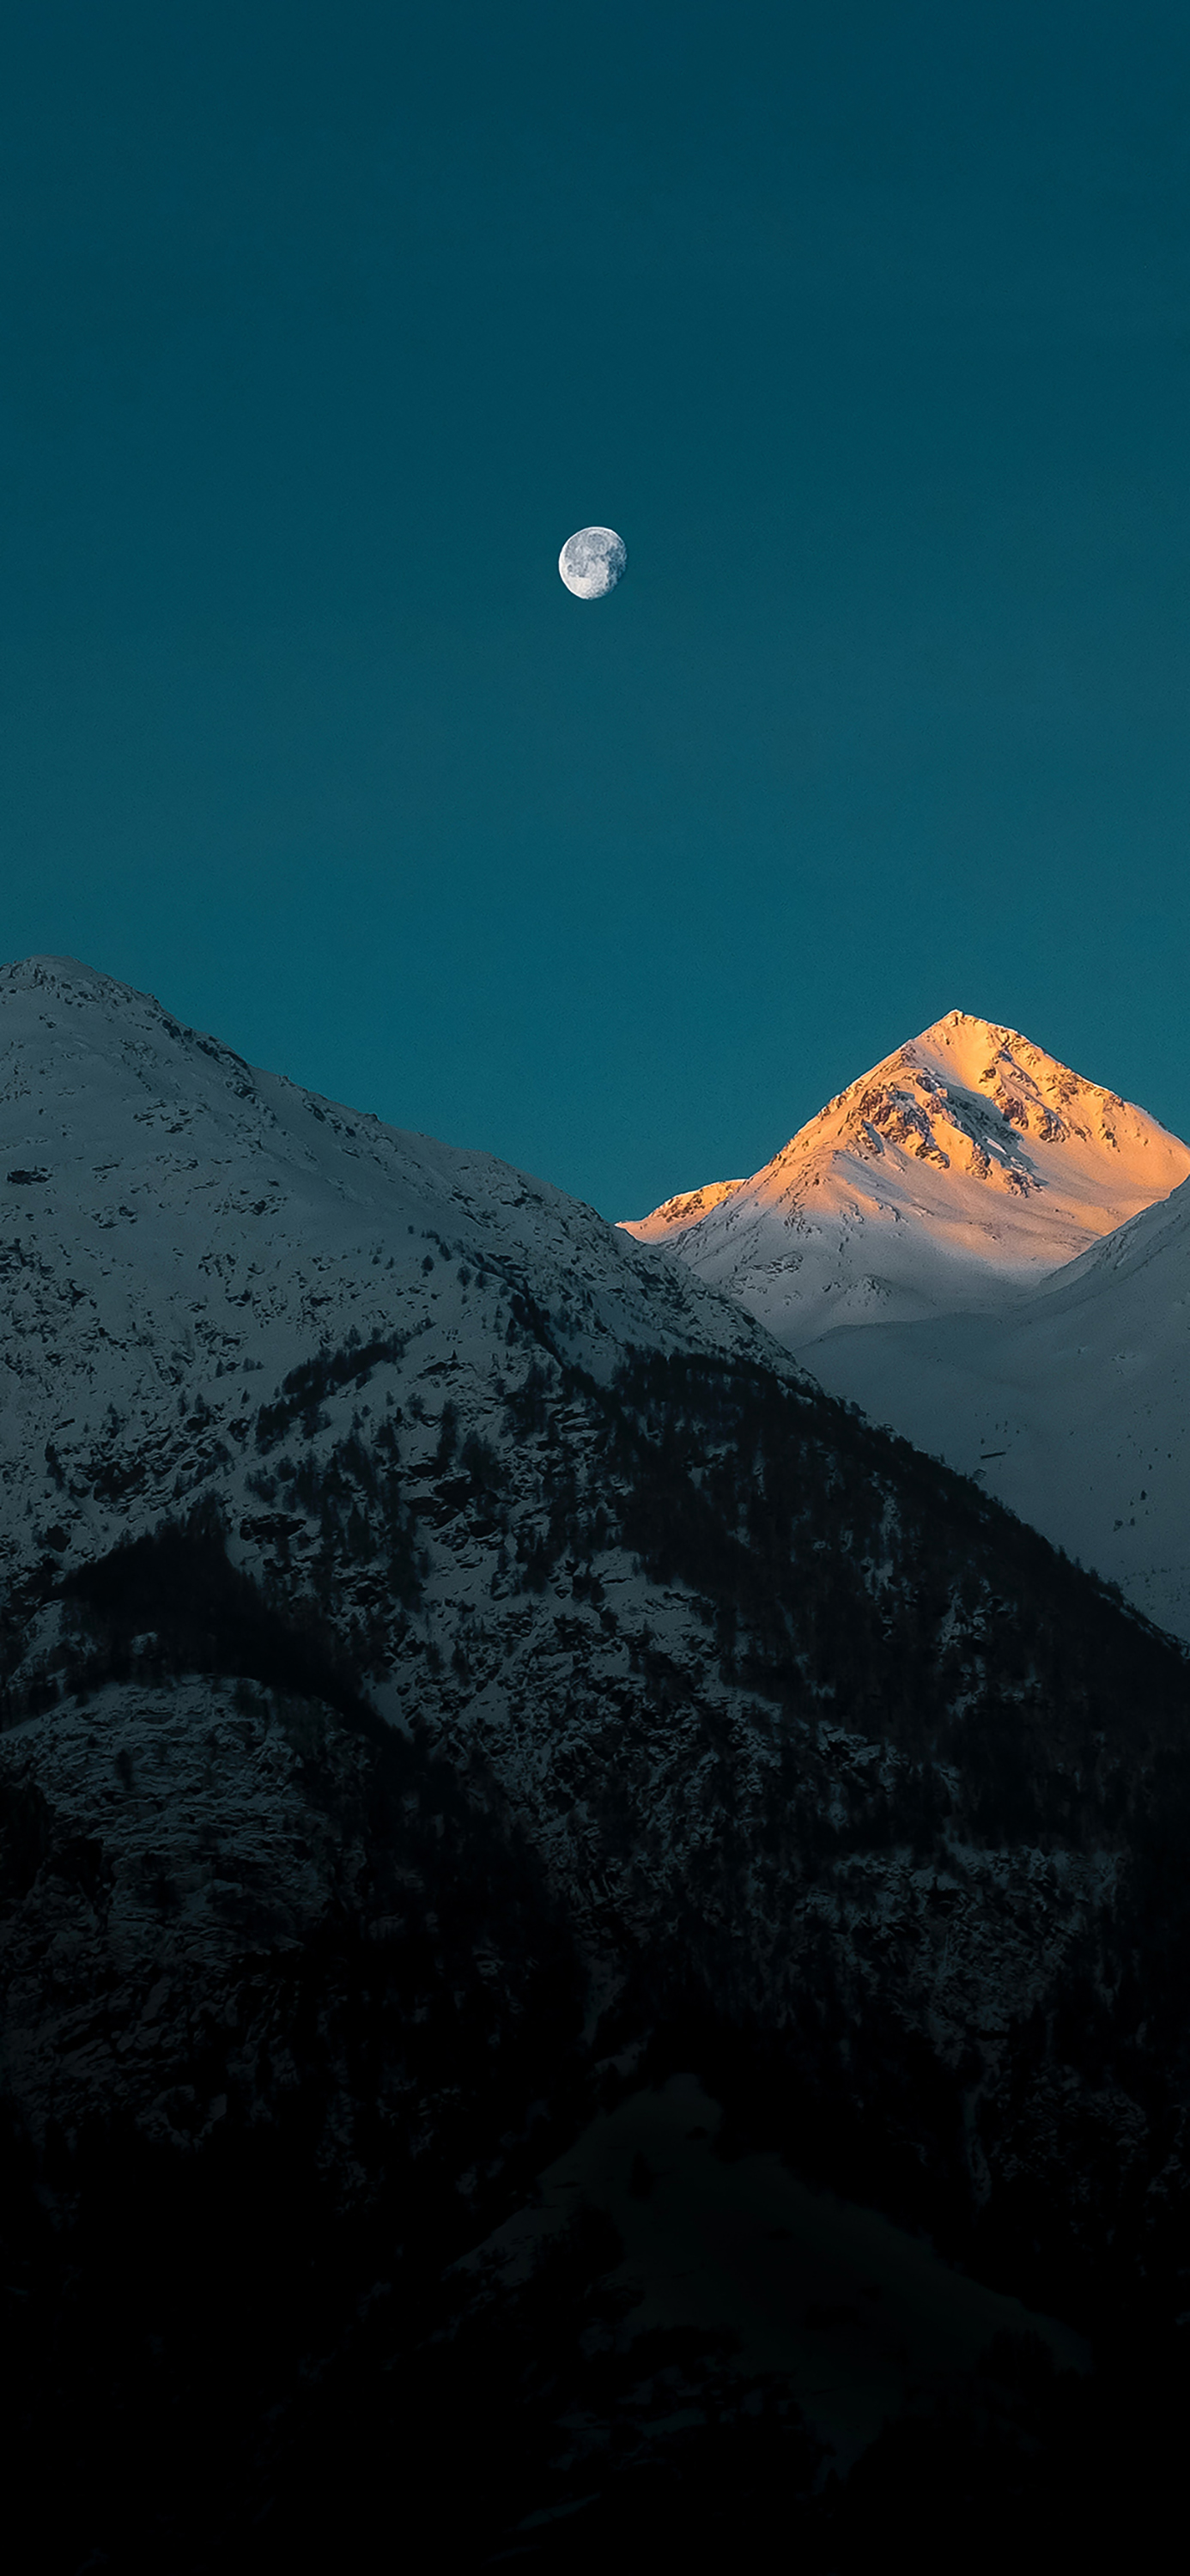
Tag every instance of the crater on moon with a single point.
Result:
(592, 562)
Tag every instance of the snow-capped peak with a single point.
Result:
(178, 1230)
(967, 1165)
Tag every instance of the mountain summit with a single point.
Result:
(958, 1173)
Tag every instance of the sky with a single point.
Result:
(865, 322)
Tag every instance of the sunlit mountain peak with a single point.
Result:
(963, 1168)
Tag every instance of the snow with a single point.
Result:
(180, 1232)
(674, 1215)
(179, 1229)
(991, 1255)
(1072, 1406)
(959, 1172)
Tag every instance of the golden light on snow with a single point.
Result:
(967, 1165)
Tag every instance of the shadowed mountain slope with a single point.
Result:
(1073, 1405)
(443, 1669)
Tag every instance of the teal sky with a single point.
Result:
(866, 322)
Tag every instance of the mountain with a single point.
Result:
(988, 1253)
(175, 1226)
(455, 1667)
(954, 1176)
(1073, 1406)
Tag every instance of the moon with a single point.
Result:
(592, 562)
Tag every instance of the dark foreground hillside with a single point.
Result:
(211, 2372)
(527, 1741)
